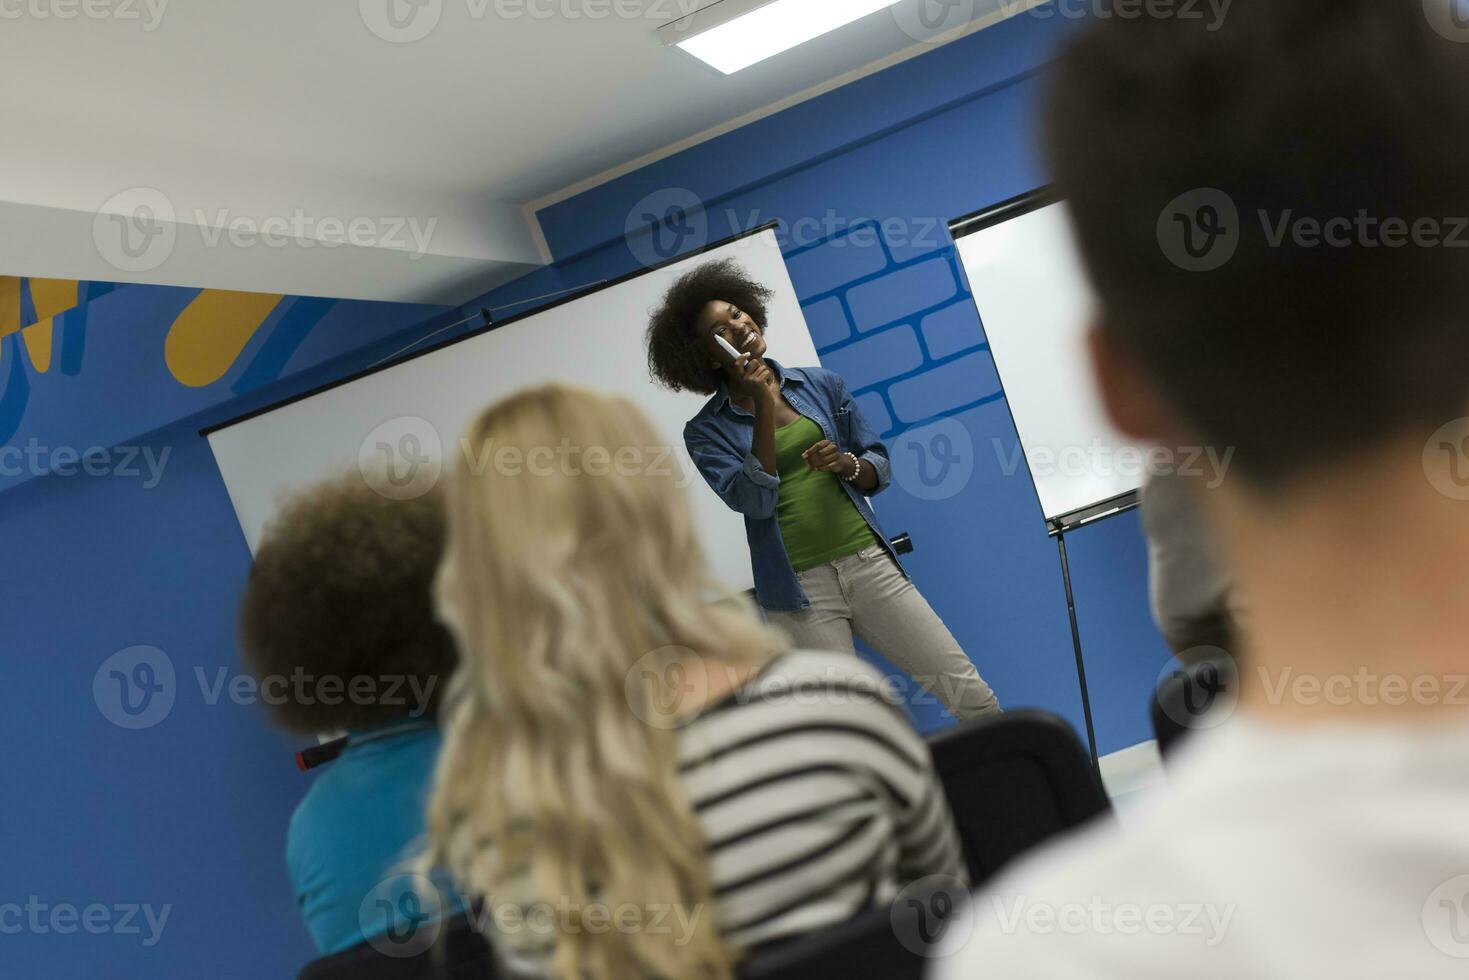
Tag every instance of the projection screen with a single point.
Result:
(416, 409)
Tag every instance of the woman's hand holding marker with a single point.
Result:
(756, 379)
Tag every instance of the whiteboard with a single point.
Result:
(424, 405)
(1036, 305)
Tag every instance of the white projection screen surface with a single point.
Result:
(1035, 303)
(594, 340)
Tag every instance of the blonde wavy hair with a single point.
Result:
(578, 595)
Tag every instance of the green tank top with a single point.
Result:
(818, 521)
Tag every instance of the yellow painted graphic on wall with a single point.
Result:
(211, 332)
(202, 344)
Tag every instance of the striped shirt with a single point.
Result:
(817, 797)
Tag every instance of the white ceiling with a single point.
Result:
(299, 110)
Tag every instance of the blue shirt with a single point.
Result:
(720, 440)
(361, 817)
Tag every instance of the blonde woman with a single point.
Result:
(639, 780)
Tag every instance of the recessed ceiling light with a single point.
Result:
(752, 35)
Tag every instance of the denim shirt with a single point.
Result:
(720, 440)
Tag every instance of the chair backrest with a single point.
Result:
(1014, 781)
(1187, 696)
(459, 953)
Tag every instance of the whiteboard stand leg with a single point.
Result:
(1086, 701)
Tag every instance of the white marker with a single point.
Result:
(729, 347)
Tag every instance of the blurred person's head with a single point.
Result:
(577, 588)
(337, 623)
(1301, 356)
(1275, 216)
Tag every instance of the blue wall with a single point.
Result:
(192, 812)
(188, 813)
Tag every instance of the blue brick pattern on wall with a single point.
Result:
(874, 315)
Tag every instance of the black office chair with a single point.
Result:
(460, 953)
(1014, 781)
(1187, 697)
(895, 943)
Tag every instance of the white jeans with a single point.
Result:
(866, 594)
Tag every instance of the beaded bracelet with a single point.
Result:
(855, 473)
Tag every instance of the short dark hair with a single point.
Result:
(341, 588)
(1297, 356)
(675, 359)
